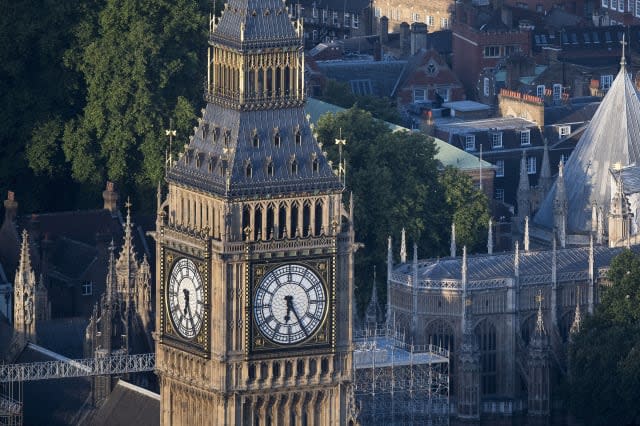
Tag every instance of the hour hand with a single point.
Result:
(289, 300)
(295, 313)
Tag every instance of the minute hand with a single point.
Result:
(293, 308)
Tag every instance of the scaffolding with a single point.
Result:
(12, 376)
(397, 383)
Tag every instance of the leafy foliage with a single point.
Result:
(396, 183)
(604, 357)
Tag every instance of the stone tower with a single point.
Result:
(24, 297)
(254, 246)
(108, 331)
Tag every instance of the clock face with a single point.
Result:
(185, 295)
(290, 304)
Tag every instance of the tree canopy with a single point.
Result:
(398, 183)
(604, 356)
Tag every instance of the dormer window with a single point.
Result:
(470, 143)
(210, 164)
(276, 137)
(293, 164)
(298, 137)
(525, 137)
(431, 69)
(247, 169)
(270, 168)
(496, 140)
(315, 166)
(255, 140)
(227, 138)
(198, 159)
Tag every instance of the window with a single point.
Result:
(298, 137)
(470, 143)
(294, 167)
(540, 90)
(377, 12)
(314, 12)
(444, 94)
(431, 68)
(314, 35)
(276, 138)
(564, 131)
(486, 86)
(324, 16)
(531, 165)
(444, 23)
(87, 288)
(557, 91)
(356, 21)
(492, 52)
(525, 137)
(419, 95)
(605, 3)
(499, 195)
(347, 20)
(486, 336)
(255, 141)
(314, 165)
(247, 170)
(429, 21)
(621, 5)
(564, 158)
(335, 18)
(605, 81)
(500, 168)
(270, 169)
(614, 4)
(638, 8)
(496, 140)
(415, 17)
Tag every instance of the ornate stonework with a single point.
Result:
(254, 205)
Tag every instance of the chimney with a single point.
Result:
(110, 196)
(405, 37)
(10, 207)
(418, 37)
(384, 30)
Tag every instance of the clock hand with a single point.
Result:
(289, 300)
(295, 313)
(187, 308)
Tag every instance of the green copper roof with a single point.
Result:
(448, 154)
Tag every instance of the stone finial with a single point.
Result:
(403, 247)
(453, 239)
(577, 318)
(516, 260)
(540, 330)
(490, 237)
(526, 234)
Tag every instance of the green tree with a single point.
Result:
(396, 183)
(468, 207)
(604, 357)
(141, 61)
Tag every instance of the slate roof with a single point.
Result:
(230, 155)
(612, 136)
(128, 405)
(534, 263)
(335, 4)
(383, 75)
(64, 336)
(255, 23)
(52, 402)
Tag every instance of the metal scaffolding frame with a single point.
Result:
(397, 383)
(12, 376)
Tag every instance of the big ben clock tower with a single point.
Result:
(254, 246)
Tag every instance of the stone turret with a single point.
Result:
(619, 215)
(24, 324)
(538, 365)
(469, 357)
(373, 314)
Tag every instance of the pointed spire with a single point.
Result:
(623, 59)
(112, 284)
(523, 184)
(526, 234)
(600, 233)
(24, 265)
(560, 207)
(545, 180)
(577, 318)
(594, 217)
(464, 268)
(403, 247)
(490, 237)
(373, 313)
(591, 259)
(516, 260)
(540, 331)
(453, 239)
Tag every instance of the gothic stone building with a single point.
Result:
(254, 246)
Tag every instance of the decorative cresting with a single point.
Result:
(255, 57)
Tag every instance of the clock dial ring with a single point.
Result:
(185, 298)
(289, 304)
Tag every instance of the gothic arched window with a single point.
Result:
(487, 340)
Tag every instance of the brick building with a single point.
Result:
(482, 40)
(437, 14)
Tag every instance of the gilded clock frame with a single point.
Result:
(200, 344)
(323, 337)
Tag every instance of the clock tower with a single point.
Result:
(254, 245)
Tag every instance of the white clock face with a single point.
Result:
(185, 296)
(289, 304)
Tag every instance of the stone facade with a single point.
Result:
(250, 199)
(436, 14)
